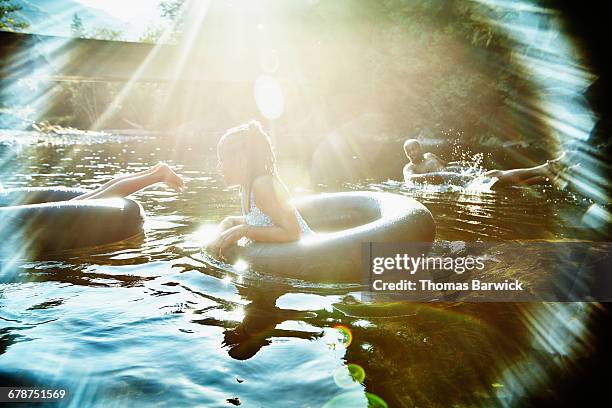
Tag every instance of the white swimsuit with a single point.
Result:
(257, 218)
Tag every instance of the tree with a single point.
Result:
(171, 9)
(102, 33)
(76, 27)
(151, 34)
(7, 20)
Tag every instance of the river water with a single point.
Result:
(153, 323)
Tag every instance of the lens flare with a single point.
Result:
(374, 401)
(353, 398)
(241, 265)
(347, 335)
(357, 372)
(269, 61)
(269, 97)
(349, 376)
(205, 234)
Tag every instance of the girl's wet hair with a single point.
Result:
(255, 143)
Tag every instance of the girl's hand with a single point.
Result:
(229, 222)
(226, 224)
(230, 237)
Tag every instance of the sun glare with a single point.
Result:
(205, 234)
(269, 97)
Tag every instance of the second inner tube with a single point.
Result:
(34, 221)
(342, 223)
(452, 174)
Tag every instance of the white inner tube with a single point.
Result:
(341, 222)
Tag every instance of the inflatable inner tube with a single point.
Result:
(34, 221)
(341, 222)
(453, 174)
(440, 177)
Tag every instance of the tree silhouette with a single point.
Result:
(76, 27)
(7, 20)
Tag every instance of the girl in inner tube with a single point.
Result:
(246, 160)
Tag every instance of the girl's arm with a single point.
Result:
(229, 222)
(273, 199)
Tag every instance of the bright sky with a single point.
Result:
(127, 9)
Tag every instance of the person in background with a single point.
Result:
(425, 162)
(420, 162)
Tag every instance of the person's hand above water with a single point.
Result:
(169, 177)
(230, 237)
(229, 222)
(212, 245)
